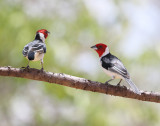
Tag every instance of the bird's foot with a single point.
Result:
(106, 83)
(42, 69)
(27, 67)
(118, 84)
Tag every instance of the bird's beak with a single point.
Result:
(48, 32)
(94, 47)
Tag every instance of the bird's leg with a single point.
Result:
(28, 64)
(109, 80)
(42, 64)
(119, 82)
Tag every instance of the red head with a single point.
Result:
(44, 32)
(101, 49)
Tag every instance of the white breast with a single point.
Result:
(112, 74)
(38, 56)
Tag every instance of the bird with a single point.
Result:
(35, 50)
(113, 67)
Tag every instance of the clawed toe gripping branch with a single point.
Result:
(78, 83)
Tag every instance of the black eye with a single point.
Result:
(100, 47)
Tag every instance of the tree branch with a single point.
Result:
(78, 83)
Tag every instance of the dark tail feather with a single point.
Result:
(31, 55)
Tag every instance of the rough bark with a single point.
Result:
(78, 83)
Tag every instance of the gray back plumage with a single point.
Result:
(113, 64)
(34, 46)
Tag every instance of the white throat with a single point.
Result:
(105, 52)
(42, 37)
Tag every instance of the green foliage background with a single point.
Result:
(73, 30)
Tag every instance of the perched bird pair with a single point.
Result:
(35, 50)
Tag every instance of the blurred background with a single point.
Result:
(129, 28)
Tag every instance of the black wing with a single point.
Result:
(34, 46)
(113, 64)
